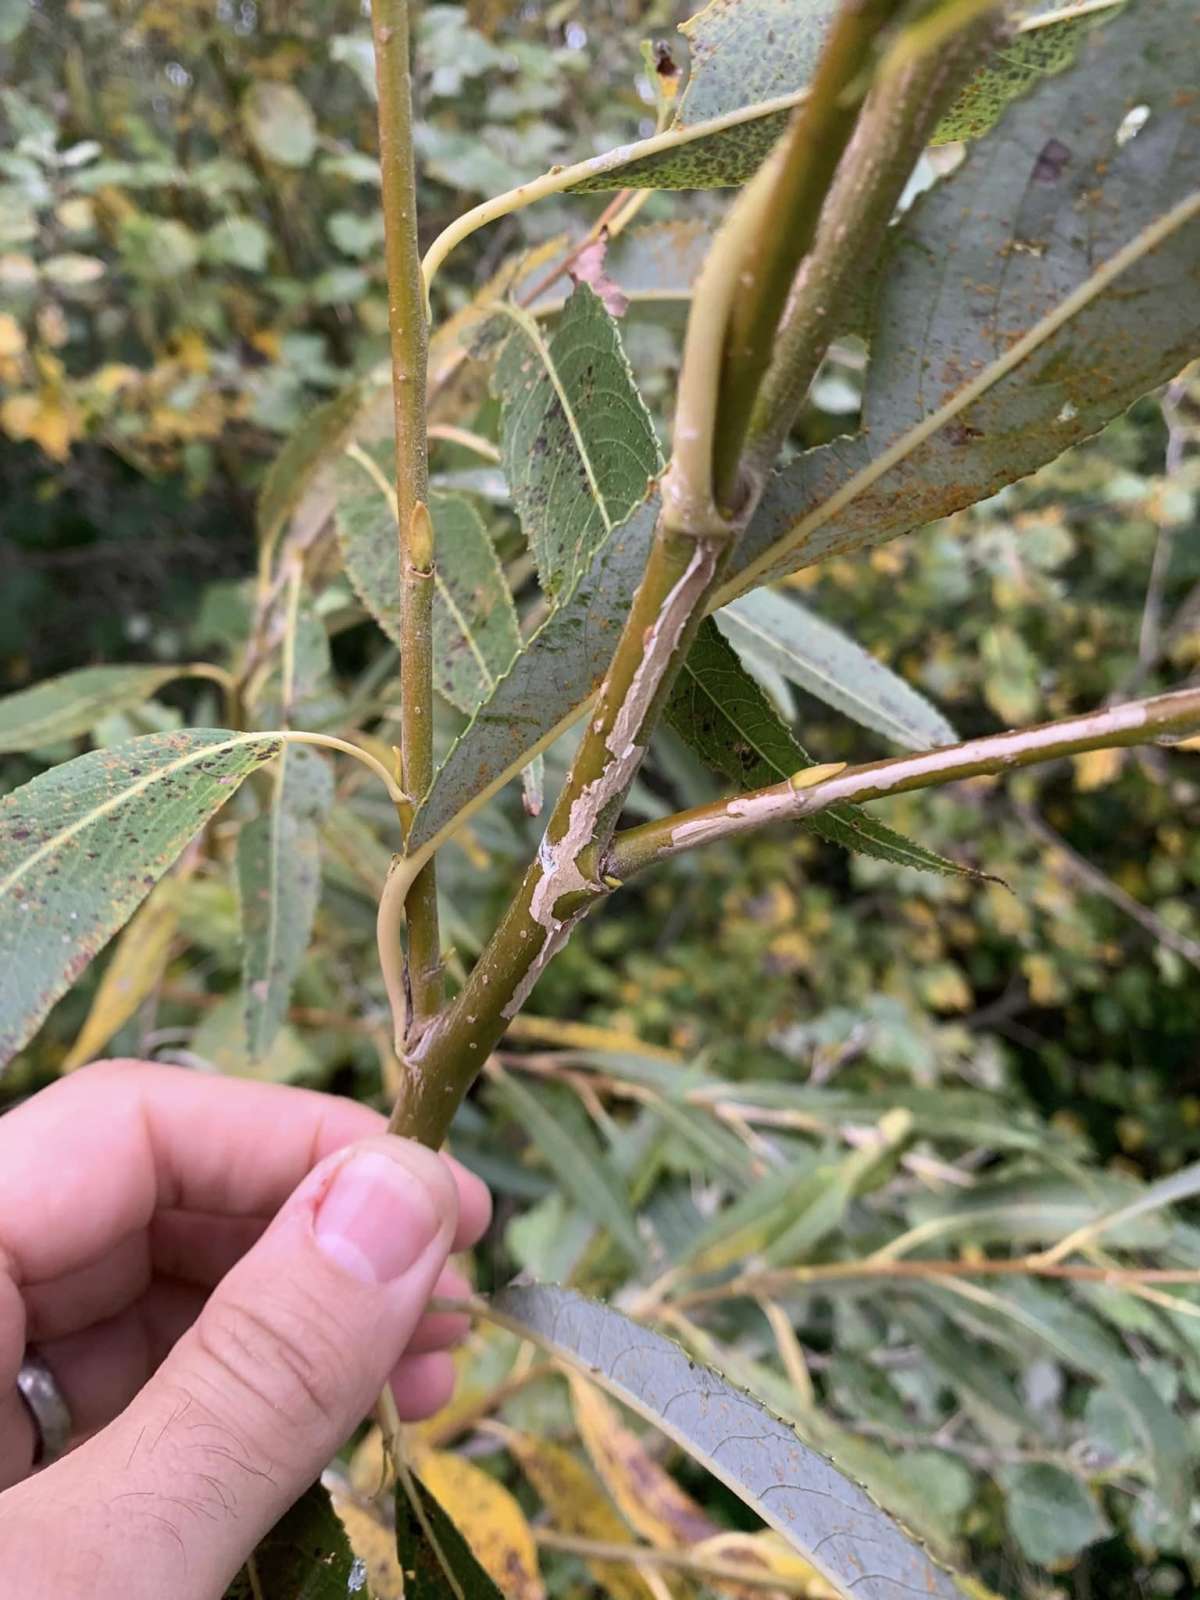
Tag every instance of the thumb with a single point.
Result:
(288, 1355)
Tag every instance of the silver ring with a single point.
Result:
(51, 1418)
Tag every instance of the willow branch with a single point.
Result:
(902, 111)
(409, 338)
(809, 154)
(786, 1279)
(1137, 722)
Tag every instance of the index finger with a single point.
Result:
(89, 1161)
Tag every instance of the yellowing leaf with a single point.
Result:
(578, 1505)
(47, 419)
(759, 1552)
(375, 1546)
(1096, 768)
(650, 1499)
(137, 965)
(490, 1520)
(12, 335)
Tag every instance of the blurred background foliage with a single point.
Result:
(190, 260)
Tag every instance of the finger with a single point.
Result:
(197, 1247)
(99, 1371)
(439, 1330)
(17, 1438)
(422, 1385)
(286, 1357)
(474, 1206)
(90, 1294)
(173, 1140)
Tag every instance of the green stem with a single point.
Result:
(409, 343)
(819, 132)
(555, 894)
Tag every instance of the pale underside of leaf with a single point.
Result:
(819, 658)
(829, 1519)
(1027, 300)
(83, 844)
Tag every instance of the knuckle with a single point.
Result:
(290, 1359)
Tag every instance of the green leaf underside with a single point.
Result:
(573, 1151)
(67, 706)
(279, 885)
(475, 634)
(1052, 1515)
(424, 1560)
(825, 662)
(828, 1518)
(306, 1556)
(83, 844)
(577, 443)
(1035, 208)
(729, 111)
(727, 719)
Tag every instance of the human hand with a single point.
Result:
(221, 1276)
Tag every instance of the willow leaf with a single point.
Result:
(547, 685)
(306, 1556)
(83, 844)
(727, 719)
(1080, 1340)
(66, 706)
(437, 1561)
(577, 443)
(1024, 227)
(314, 445)
(138, 962)
(475, 633)
(820, 659)
(279, 885)
(574, 1153)
(741, 91)
(829, 1519)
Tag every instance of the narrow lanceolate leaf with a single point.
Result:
(437, 1561)
(83, 844)
(306, 1556)
(489, 1518)
(315, 445)
(475, 634)
(578, 1505)
(814, 655)
(1015, 239)
(131, 976)
(727, 719)
(740, 91)
(573, 1152)
(65, 707)
(544, 689)
(832, 1522)
(279, 885)
(577, 443)
(648, 1497)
